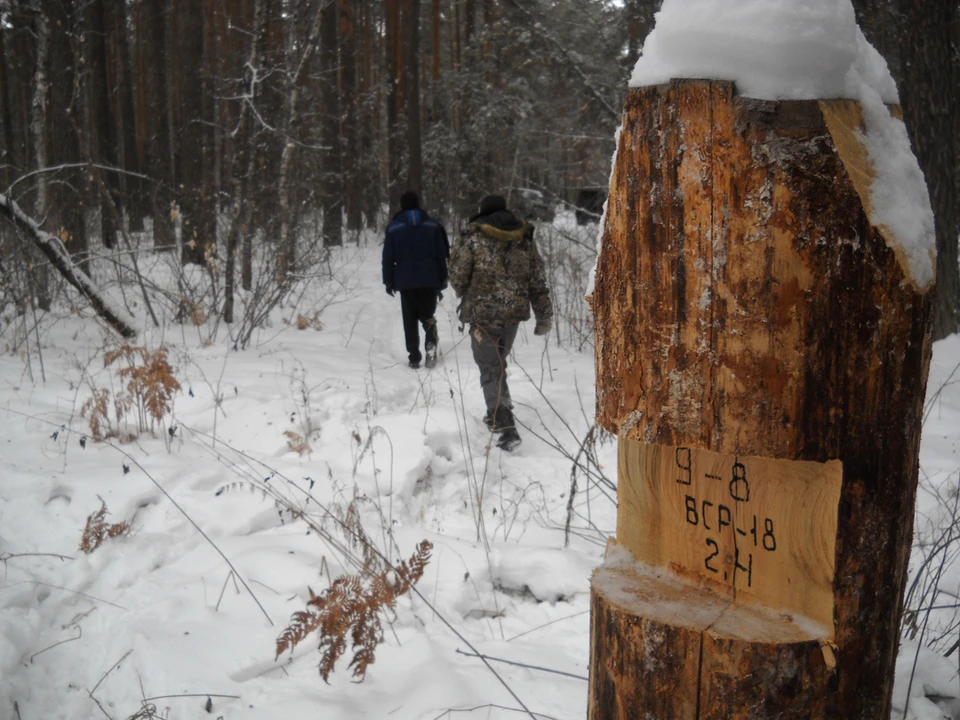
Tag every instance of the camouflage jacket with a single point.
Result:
(498, 273)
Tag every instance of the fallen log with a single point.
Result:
(116, 317)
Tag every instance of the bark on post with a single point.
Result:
(762, 355)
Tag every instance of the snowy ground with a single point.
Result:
(158, 616)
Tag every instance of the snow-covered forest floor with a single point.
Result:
(238, 502)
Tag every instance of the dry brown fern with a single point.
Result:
(95, 410)
(150, 382)
(97, 530)
(188, 309)
(308, 321)
(297, 443)
(349, 606)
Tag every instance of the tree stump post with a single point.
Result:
(762, 355)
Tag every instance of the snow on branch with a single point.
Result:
(115, 316)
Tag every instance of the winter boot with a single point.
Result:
(431, 342)
(488, 420)
(509, 437)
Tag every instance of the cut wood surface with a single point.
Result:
(667, 648)
(747, 306)
(761, 530)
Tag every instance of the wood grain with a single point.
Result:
(761, 530)
(663, 647)
(746, 305)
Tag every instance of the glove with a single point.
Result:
(543, 327)
(389, 290)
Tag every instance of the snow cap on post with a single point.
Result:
(808, 50)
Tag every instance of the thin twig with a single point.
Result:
(224, 589)
(60, 587)
(524, 665)
(540, 627)
(491, 706)
(352, 532)
(79, 635)
(112, 668)
(109, 716)
(170, 498)
(10, 556)
(264, 585)
(189, 695)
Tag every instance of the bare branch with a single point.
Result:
(118, 318)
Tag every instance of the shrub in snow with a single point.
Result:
(352, 607)
(150, 387)
(97, 530)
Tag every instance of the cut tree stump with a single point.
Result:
(762, 354)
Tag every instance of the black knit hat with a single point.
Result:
(409, 201)
(492, 203)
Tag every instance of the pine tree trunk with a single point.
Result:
(350, 34)
(102, 131)
(762, 355)
(469, 21)
(331, 199)
(196, 150)
(121, 90)
(245, 159)
(21, 55)
(931, 110)
(435, 40)
(393, 41)
(411, 71)
(39, 135)
(7, 143)
(639, 20)
(299, 62)
(67, 200)
(156, 119)
(7, 100)
(371, 188)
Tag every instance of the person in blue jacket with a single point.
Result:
(415, 255)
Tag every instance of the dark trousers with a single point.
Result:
(490, 346)
(418, 306)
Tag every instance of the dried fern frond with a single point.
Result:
(352, 526)
(303, 322)
(97, 530)
(122, 404)
(349, 607)
(235, 486)
(302, 623)
(297, 443)
(151, 384)
(95, 410)
(194, 310)
(125, 351)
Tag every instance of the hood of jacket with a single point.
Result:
(411, 218)
(501, 225)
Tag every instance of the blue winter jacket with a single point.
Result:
(415, 252)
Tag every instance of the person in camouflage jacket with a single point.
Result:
(498, 273)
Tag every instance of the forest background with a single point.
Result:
(247, 124)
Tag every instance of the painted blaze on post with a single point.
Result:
(762, 531)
